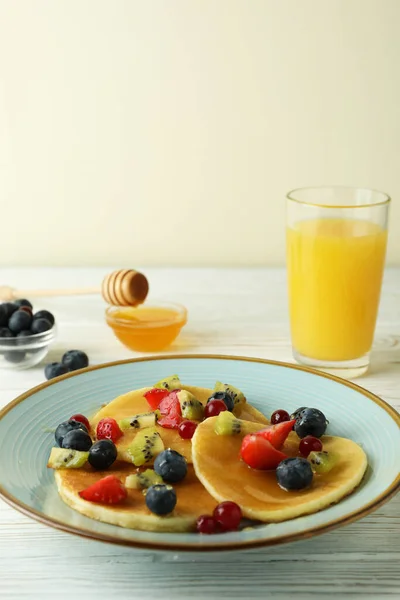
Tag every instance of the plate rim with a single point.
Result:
(355, 515)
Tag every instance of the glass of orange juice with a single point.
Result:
(336, 247)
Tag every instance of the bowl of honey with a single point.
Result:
(149, 327)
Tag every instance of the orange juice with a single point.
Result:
(335, 269)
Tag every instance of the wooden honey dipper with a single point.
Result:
(125, 287)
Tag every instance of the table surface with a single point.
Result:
(231, 311)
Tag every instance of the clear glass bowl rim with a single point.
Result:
(37, 340)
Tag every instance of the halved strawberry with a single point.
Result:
(171, 412)
(108, 490)
(259, 453)
(108, 429)
(277, 434)
(155, 396)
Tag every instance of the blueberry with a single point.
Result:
(5, 333)
(45, 314)
(21, 339)
(3, 315)
(161, 499)
(77, 439)
(15, 357)
(75, 359)
(296, 413)
(54, 369)
(24, 334)
(40, 325)
(65, 427)
(225, 397)
(310, 421)
(23, 302)
(10, 308)
(294, 474)
(19, 320)
(102, 454)
(171, 466)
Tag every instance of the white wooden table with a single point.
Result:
(231, 311)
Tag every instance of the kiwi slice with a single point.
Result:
(146, 446)
(139, 421)
(169, 383)
(323, 462)
(142, 481)
(227, 424)
(191, 407)
(234, 392)
(64, 458)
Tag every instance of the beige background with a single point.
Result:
(168, 131)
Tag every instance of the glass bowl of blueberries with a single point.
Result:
(25, 336)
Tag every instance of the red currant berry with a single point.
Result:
(213, 408)
(81, 419)
(309, 444)
(206, 524)
(228, 516)
(186, 429)
(108, 429)
(279, 416)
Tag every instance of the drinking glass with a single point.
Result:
(336, 246)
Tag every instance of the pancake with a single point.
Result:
(192, 500)
(134, 402)
(226, 477)
(192, 497)
(215, 473)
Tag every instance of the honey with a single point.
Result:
(147, 328)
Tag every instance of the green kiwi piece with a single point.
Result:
(146, 446)
(169, 383)
(234, 392)
(142, 481)
(64, 458)
(191, 407)
(323, 462)
(139, 421)
(227, 424)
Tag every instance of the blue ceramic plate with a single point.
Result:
(28, 485)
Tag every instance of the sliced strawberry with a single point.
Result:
(155, 396)
(170, 403)
(169, 422)
(108, 490)
(259, 453)
(108, 429)
(171, 412)
(277, 434)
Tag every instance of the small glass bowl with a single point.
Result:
(25, 352)
(149, 327)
